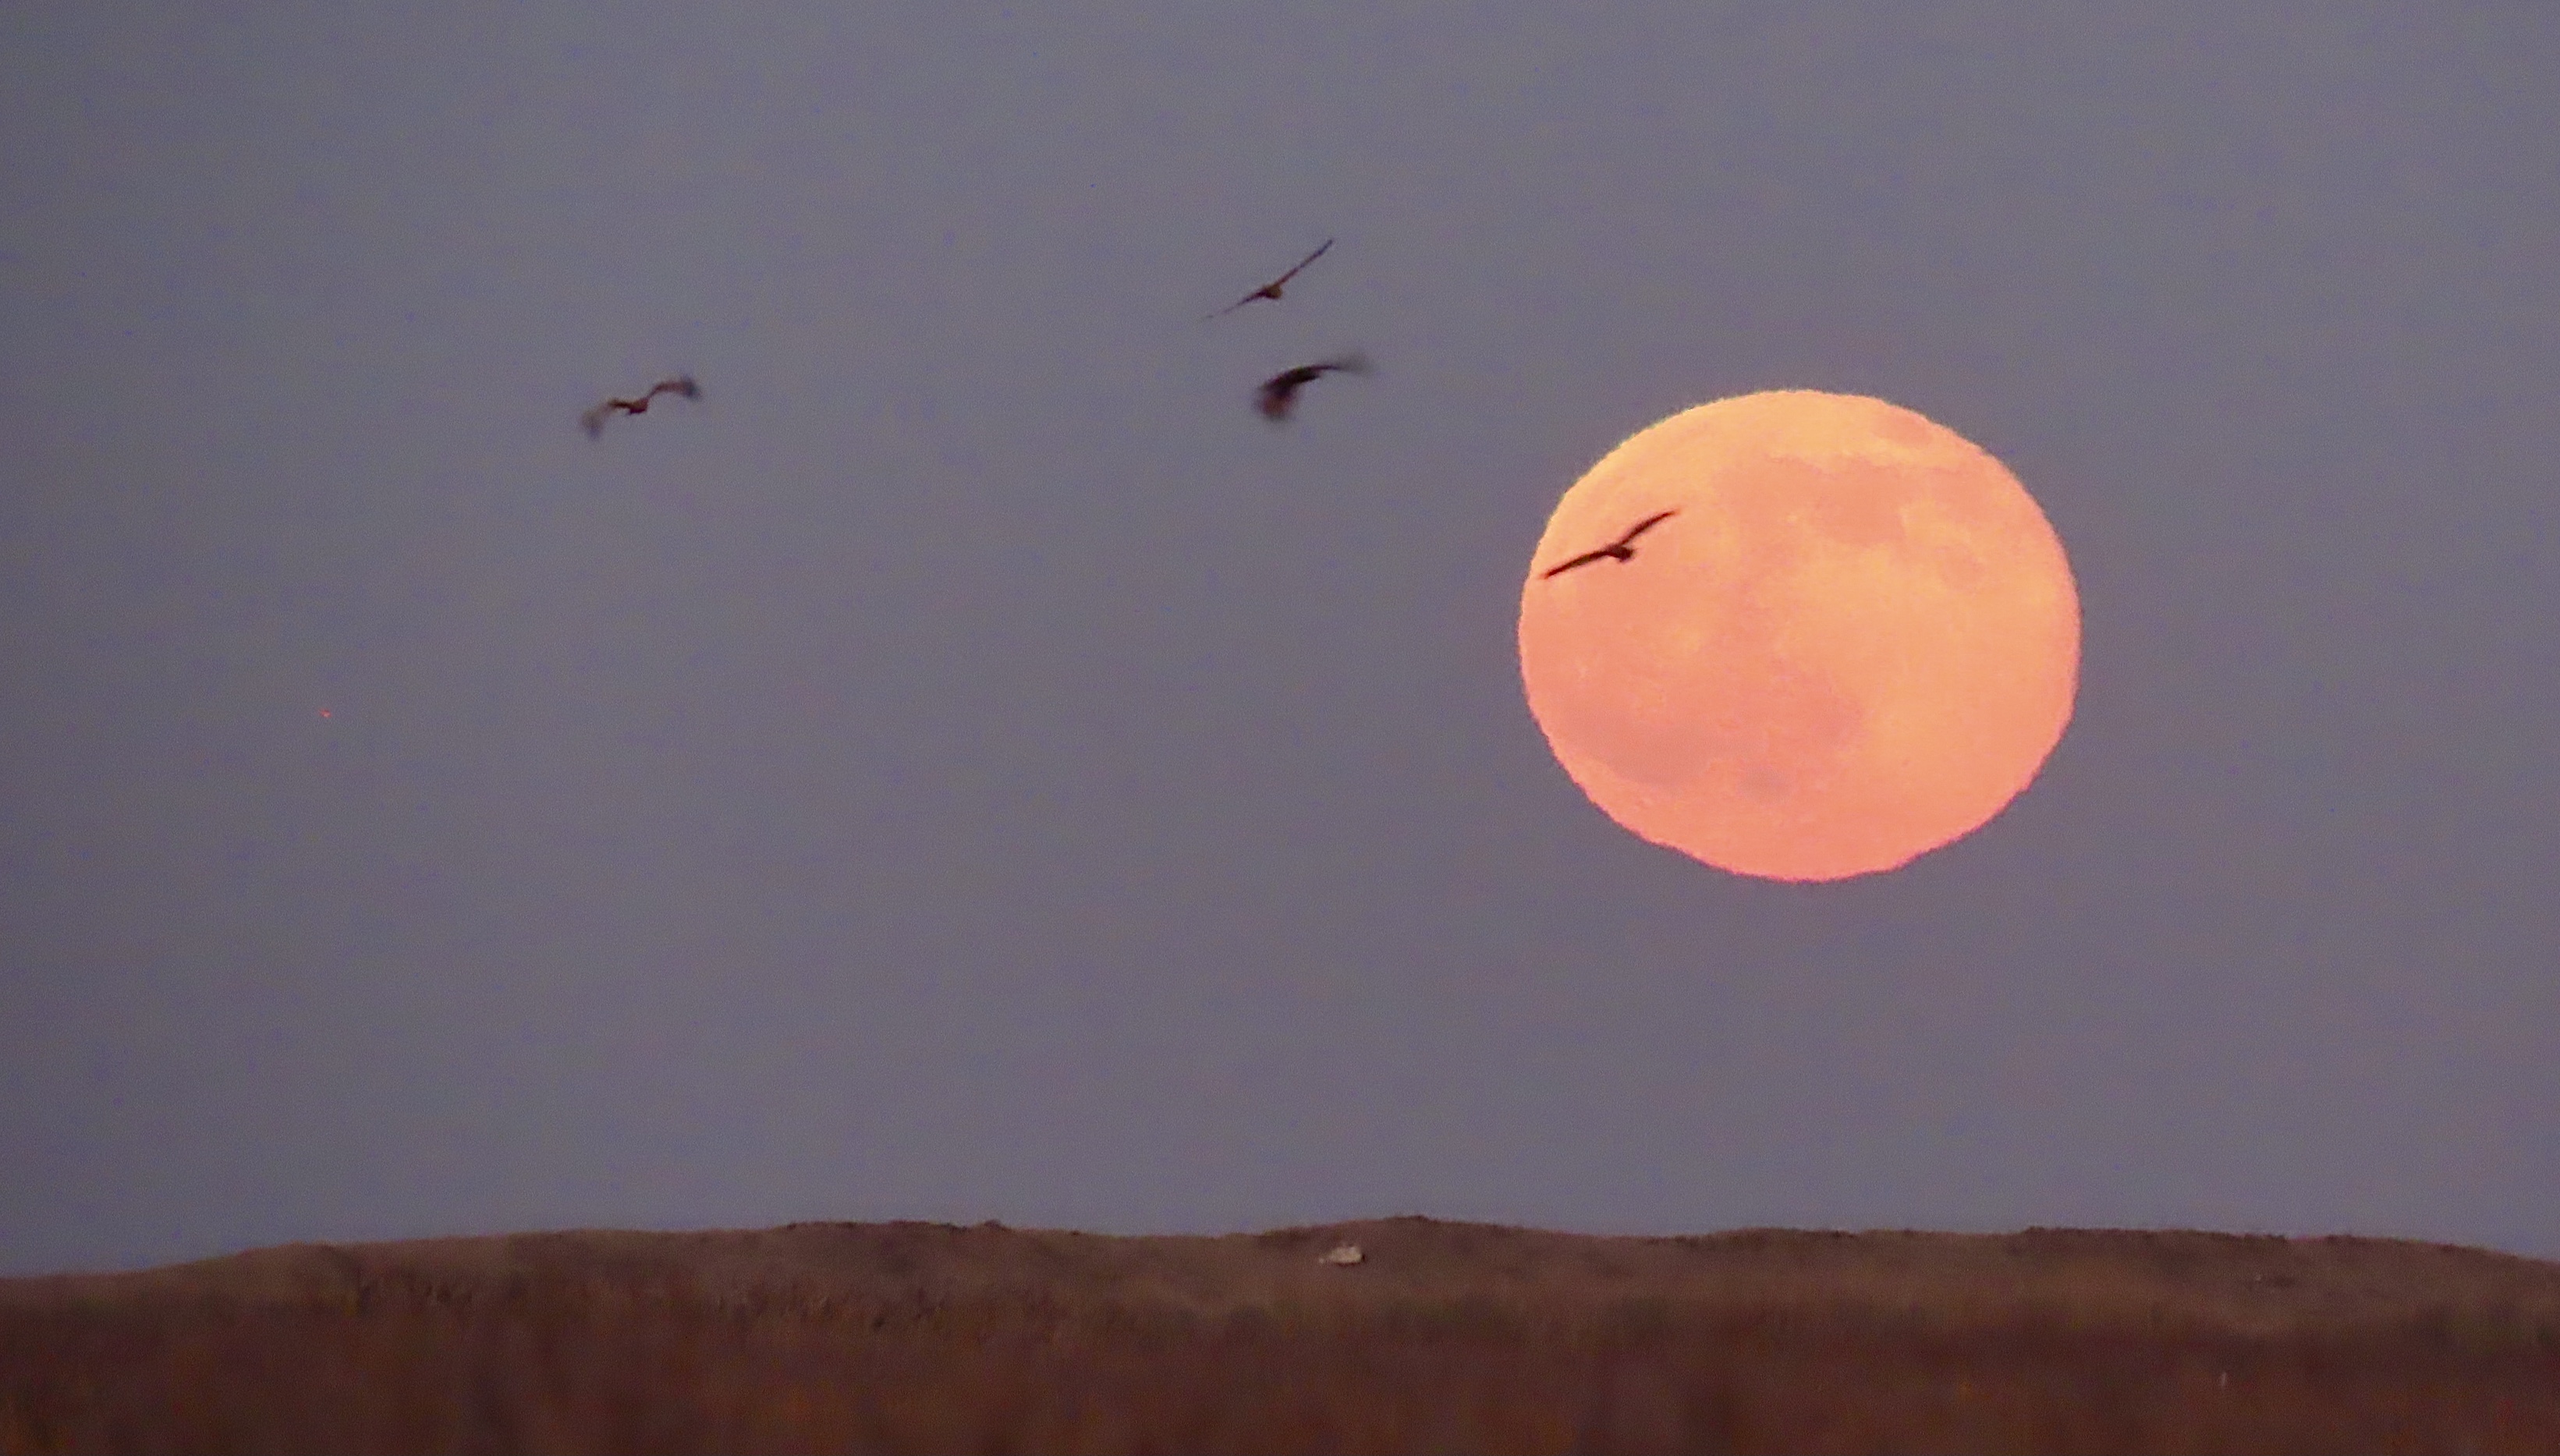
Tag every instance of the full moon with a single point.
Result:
(1855, 638)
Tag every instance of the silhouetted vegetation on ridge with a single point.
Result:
(1446, 1337)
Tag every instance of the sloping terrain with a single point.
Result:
(1459, 1337)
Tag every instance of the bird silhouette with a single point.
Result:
(593, 419)
(1271, 290)
(1621, 550)
(1279, 394)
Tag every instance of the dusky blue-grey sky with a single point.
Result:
(972, 766)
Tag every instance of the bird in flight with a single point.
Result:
(1271, 290)
(1279, 394)
(1621, 550)
(593, 419)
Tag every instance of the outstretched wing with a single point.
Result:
(1272, 288)
(1584, 559)
(592, 422)
(1647, 524)
(1280, 392)
(682, 384)
(1620, 550)
(1262, 293)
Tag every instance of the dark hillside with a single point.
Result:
(1444, 1337)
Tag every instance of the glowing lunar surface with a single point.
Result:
(1855, 641)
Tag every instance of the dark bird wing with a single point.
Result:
(1623, 548)
(1647, 524)
(1272, 288)
(592, 422)
(1279, 394)
(1584, 559)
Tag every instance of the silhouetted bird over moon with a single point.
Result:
(1279, 394)
(1271, 290)
(593, 419)
(1621, 550)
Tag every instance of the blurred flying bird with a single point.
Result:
(593, 419)
(1621, 550)
(1271, 290)
(1279, 394)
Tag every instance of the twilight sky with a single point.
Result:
(972, 766)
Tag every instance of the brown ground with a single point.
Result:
(1454, 1337)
